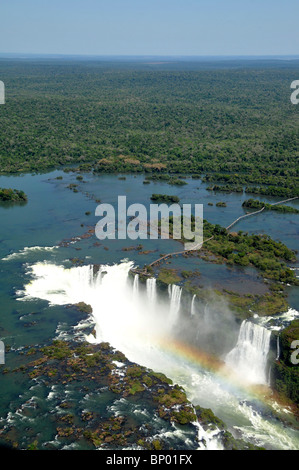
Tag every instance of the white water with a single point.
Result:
(28, 249)
(136, 287)
(249, 357)
(208, 440)
(280, 321)
(175, 293)
(278, 349)
(192, 312)
(151, 291)
(139, 325)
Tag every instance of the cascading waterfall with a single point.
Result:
(249, 357)
(175, 303)
(209, 440)
(119, 318)
(72, 287)
(151, 290)
(278, 349)
(136, 287)
(97, 279)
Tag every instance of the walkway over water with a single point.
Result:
(198, 247)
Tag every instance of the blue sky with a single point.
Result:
(153, 27)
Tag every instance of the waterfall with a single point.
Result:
(61, 286)
(143, 332)
(175, 303)
(249, 357)
(136, 286)
(193, 305)
(151, 290)
(278, 348)
(209, 439)
(96, 278)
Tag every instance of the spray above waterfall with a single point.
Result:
(135, 319)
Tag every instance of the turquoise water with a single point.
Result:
(54, 214)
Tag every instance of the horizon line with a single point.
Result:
(146, 56)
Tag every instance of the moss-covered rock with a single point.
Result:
(168, 276)
(83, 307)
(206, 417)
(100, 367)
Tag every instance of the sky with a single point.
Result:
(152, 27)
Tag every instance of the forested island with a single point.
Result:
(165, 198)
(255, 204)
(12, 195)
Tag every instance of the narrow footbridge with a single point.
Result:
(198, 247)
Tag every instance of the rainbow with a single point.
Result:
(198, 358)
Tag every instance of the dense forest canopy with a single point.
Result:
(235, 120)
(12, 195)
